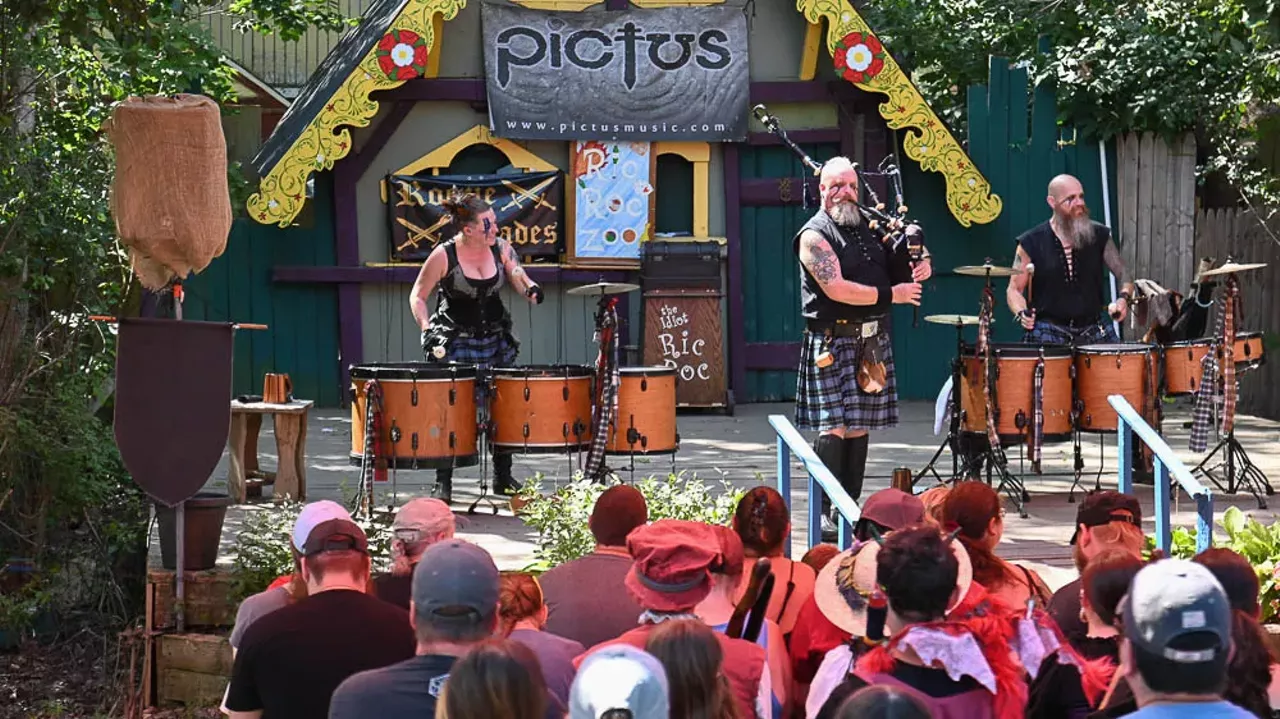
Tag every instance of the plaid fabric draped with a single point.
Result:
(1229, 387)
(1037, 424)
(373, 468)
(607, 381)
(1217, 363)
(983, 350)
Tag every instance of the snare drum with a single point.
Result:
(541, 409)
(1126, 369)
(1183, 365)
(646, 419)
(1013, 394)
(1248, 351)
(428, 413)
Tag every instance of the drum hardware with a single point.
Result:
(987, 270)
(601, 288)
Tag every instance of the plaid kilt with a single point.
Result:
(1049, 333)
(495, 349)
(829, 397)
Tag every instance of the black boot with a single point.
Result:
(503, 483)
(855, 465)
(443, 490)
(830, 449)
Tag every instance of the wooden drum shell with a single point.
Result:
(646, 418)
(1106, 369)
(1014, 392)
(541, 409)
(1182, 366)
(428, 414)
(1247, 351)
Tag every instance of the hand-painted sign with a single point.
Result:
(613, 199)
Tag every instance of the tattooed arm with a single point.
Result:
(1016, 294)
(818, 259)
(1115, 263)
(520, 280)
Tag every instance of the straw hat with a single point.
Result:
(844, 585)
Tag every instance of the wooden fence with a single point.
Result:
(1241, 235)
(1155, 191)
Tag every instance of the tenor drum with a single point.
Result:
(646, 419)
(1247, 350)
(1013, 393)
(541, 409)
(1182, 365)
(428, 413)
(1126, 369)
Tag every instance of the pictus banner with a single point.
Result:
(677, 73)
(527, 207)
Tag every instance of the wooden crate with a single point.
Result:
(192, 670)
(208, 599)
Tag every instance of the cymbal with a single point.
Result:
(1232, 267)
(953, 319)
(987, 270)
(603, 288)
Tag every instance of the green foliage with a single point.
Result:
(1164, 66)
(1257, 542)
(561, 517)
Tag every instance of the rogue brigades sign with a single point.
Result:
(667, 74)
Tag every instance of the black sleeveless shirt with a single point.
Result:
(1075, 300)
(470, 305)
(863, 259)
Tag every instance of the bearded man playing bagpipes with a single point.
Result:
(851, 271)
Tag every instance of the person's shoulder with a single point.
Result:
(370, 681)
(257, 605)
(1034, 233)
(1100, 231)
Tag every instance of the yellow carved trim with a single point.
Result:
(433, 60)
(557, 5)
(327, 139)
(698, 153)
(928, 142)
(812, 48)
(441, 157)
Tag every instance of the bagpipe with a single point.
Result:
(904, 238)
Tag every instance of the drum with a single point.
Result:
(1013, 394)
(428, 413)
(1126, 369)
(1247, 350)
(646, 419)
(541, 409)
(1182, 365)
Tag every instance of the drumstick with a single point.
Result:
(237, 325)
(1030, 269)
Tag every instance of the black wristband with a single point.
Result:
(884, 295)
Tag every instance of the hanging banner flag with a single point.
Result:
(527, 206)
(677, 73)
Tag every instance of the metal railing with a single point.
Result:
(821, 480)
(1166, 466)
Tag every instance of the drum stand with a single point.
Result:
(1241, 472)
(954, 439)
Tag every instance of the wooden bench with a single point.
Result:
(290, 421)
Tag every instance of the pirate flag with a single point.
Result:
(173, 403)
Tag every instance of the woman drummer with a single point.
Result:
(471, 325)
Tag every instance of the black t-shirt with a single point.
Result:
(292, 659)
(394, 588)
(1075, 299)
(407, 689)
(926, 680)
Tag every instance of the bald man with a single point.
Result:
(849, 277)
(1071, 254)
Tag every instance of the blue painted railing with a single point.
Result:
(1166, 465)
(821, 480)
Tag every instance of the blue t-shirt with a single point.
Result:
(1192, 710)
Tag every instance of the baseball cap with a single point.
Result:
(1105, 506)
(334, 535)
(619, 676)
(893, 508)
(455, 579)
(423, 518)
(1173, 598)
(312, 515)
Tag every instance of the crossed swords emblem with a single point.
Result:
(410, 195)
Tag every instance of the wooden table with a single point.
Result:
(290, 421)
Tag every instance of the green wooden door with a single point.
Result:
(301, 338)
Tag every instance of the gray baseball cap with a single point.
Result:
(1173, 598)
(619, 676)
(455, 581)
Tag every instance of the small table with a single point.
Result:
(290, 421)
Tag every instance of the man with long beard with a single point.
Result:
(849, 277)
(1070, 253)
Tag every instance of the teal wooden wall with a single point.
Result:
(301, 338)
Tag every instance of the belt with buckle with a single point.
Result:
(844, 328)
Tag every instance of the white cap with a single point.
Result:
(619, 676)
(312, 515)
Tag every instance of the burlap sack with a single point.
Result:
(170, 198)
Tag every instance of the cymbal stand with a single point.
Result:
(485, 427)
(953, 438)
(997, 462)
(1240, 471)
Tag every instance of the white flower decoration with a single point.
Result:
(858, 57)
(402, 54)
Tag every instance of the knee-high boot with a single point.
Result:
(444, 486)
(830, 449)
(503, 482)
(855, 465)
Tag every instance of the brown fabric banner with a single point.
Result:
(173, 403)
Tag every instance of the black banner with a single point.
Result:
(527, 205)
(678, 73)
